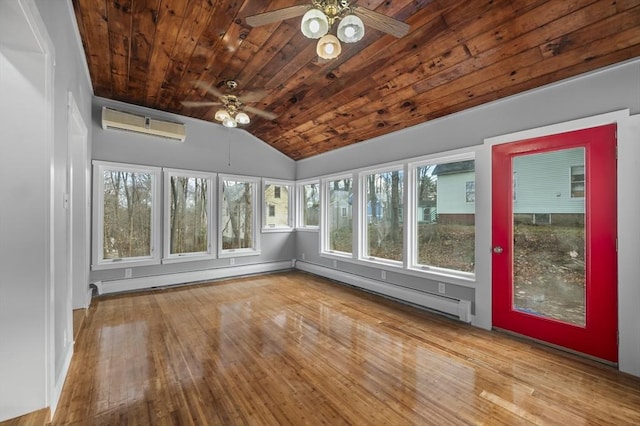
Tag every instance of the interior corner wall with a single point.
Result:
(208, 147)
(610, 89)
(70, 77)
(24, 216)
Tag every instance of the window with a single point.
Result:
(470, 191)
(577, 181)
(277, 201)
(381, 209)
(338, 218)
(447, 240)
(188, 212)
(237, 229)
(309, 205)
(126, 215)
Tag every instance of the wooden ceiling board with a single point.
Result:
(458, 54)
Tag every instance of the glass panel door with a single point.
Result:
(554, 265)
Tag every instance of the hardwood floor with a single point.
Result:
(296, 349)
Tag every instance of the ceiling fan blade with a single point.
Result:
(206, 86)
(195, 104)
(277, 15)
(255, 96)
(381, 22)
(265, 114)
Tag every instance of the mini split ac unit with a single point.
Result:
(113, 119)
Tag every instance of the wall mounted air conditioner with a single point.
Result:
(113, 119)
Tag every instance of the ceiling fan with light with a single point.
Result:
(233, 110)
(319, 16)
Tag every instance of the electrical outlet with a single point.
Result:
(441, 288)
(232, 261)
(383, 275)
(127, 273)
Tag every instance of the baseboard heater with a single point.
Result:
(177, 278)
(460, 309)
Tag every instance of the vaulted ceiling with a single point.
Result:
(457, 54)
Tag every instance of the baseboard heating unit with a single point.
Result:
(460, 309)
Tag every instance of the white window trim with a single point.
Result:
(324, 215)
(211, 209)
(98, 262)
(362, 249)
(411, 247)
(256, 214)
(291, 214)
(300, 226)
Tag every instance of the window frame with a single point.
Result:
(255, 200)
(324, 216)
(211, 252)
(290, 206)
(300, 225)
(412, 222)
(97, 257)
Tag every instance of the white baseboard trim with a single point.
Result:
(460, 309)
(57, 391)
(145, 283)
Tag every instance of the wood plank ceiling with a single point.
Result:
(458, 54)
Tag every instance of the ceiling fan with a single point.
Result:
(319, 16)
(233, 110)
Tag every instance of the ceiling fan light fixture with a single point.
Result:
(350, 29)
(328, 47)
(242, 118)
(314, 24)
(230, 122)
(222, 114)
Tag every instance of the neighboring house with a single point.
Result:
(276, 201)
(339, 209)
(548, 188)
(456, 192)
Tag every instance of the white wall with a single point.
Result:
(611, 89)
(42, 63)
(25, 354)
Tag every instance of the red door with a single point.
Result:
(554, 240)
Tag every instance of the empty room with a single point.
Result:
(315, 212)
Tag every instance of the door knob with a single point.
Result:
(497, 249)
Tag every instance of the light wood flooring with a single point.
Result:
(293, 349)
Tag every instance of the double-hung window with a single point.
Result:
(338, 217)
(308, 205)
(238, 213)
(189, 206)
(126, 215)
(443, 228)
(381, 212)
(277, 202)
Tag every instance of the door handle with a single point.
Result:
(497, 249)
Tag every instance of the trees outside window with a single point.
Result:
(339, 218)
(309, 205)
(127, 210)
(188, 228)
(238, 214)
(382, 207)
